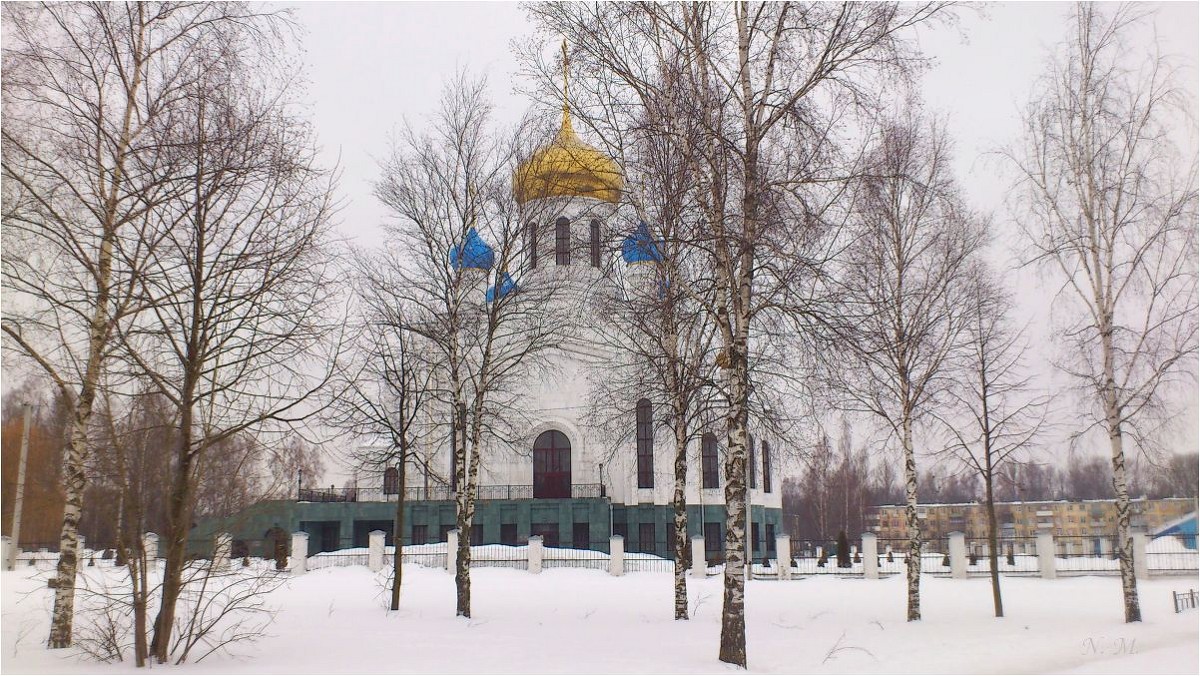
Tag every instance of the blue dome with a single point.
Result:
(475, 255)
(507, 286)
(639, 248)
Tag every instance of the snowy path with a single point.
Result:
(583, 621)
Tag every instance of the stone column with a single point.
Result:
(699, 560)
(616, 555)
(783, 557)
(299, 558)
(1141, 569)
(958, 555)
(150, 544)
(535, 554)
(1045, 554)
(870, 554)
(375, 549)
(221, 545)
(452, 551)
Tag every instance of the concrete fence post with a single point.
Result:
(958, 555)
(221, 546)
(699, 558)
(535, 554)
(452, 551)
(9, 552)
(1045, 554)
(783, 557)
(870, 554)
(616, 555)
(299, 558)
(375, 545)
(150, 544)
(1141, 569)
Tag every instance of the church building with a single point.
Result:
(568, 484)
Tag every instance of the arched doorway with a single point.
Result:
(552, 465)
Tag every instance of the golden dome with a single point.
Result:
(567, 167)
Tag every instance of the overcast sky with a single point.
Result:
(372, 65)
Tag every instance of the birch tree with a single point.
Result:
(85, 88)
(487, 320)
(906, 292)
(386, 391)
(664, 356)
(241, 324)
(1003, 414)
(1107, 203)
(763, 81)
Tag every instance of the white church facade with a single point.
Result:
(565, 481)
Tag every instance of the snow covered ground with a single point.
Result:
(584, 621)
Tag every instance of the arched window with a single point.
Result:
(391, 481)
(595, 243)
(766, 453)
(562, 241)
(645, 444)
(708, 461)
(531, 236)
(753, 469)
(552, 465)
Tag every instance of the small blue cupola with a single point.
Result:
(474, 255)
(639, 248)
(506, 286)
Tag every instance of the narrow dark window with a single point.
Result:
(753, 469)
(620, 528)
(766, 453)
(420, 534)
(754, 546)
(646, 537)
(444, 532)
(708, 461)
(712, 542)
(508, 533)
(595, 243)
(391, 481)
(581, 534)
(771, 538)
(476, 533)
(645, 444)
(548, 531)
(532, 244)
(562, 241)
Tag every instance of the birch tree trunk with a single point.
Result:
(398, 533)
(993, 543)
(679, 501)
(913, 561)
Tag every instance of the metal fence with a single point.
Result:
(420, 493)
(500, 556)
(1081, 555)
(593, 557)
(1172, 554)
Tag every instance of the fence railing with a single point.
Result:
(593, 556)
(1072, 555)
(418, 493)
